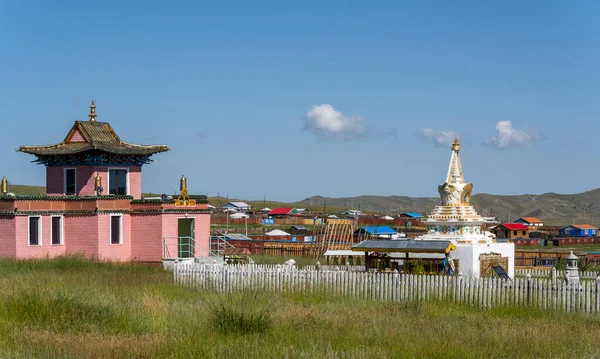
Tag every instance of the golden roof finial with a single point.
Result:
(184, 199)
(183, 183)
(4, 185)
(92, 112)
(456, 145)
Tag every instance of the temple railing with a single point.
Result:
(184, 247)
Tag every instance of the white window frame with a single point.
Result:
(39, 231)
(126, 180)
(568, 231)
(65, 180)
(120, 230)
(62, 230)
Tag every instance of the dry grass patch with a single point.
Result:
(73, 308)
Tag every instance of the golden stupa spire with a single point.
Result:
(456, 145)
(92, 112)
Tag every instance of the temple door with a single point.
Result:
(185, 234)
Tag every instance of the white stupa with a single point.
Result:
(456, 220)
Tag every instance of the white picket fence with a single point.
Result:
(347, 267)
(560, 274)
(540, 293)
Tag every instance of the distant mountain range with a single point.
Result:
(553, 208)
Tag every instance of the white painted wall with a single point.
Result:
(468, 255)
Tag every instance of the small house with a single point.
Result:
(352, 213)
(298, 230)
(383, 232)
(278, 212)
(511, 231)
(579, 230)
(277, 233)
(238, 206)
(410, 215)
(530, 221)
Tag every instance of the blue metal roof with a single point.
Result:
(413, 214)
(374, 230)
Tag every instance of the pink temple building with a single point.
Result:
(94, 206)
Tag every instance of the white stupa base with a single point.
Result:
(469, 255)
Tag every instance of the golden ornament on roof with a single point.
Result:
(4, 185)
(184, 199)
(92, 112)
(182, 183)
(456, 145)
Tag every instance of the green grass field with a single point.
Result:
(73, 308)
(576, 248)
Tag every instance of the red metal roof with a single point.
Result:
(280, 211)
(515, 226)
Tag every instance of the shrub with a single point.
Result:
(415, 266)
(243, 312)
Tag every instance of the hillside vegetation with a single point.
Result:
(553, 208)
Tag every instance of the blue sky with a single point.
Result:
(336, 98)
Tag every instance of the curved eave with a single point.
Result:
(63, 149)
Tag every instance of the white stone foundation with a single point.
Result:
(468, 257)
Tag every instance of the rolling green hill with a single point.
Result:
(553, 208)
(25, 190)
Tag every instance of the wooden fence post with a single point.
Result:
(459, 284)
(598, 294)
(278, 284)
(528, 289)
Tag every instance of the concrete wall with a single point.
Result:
(114, 252)
(24, 250)
(527, 242)
(8, 248)
(146, 239)
(81, 235)
(202, 233)
(468, 256)
(89, 235)
(86, 182)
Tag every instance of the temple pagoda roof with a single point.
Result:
(92, 135)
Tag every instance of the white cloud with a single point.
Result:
(326, 123)
(440, 138)
(507, 136)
